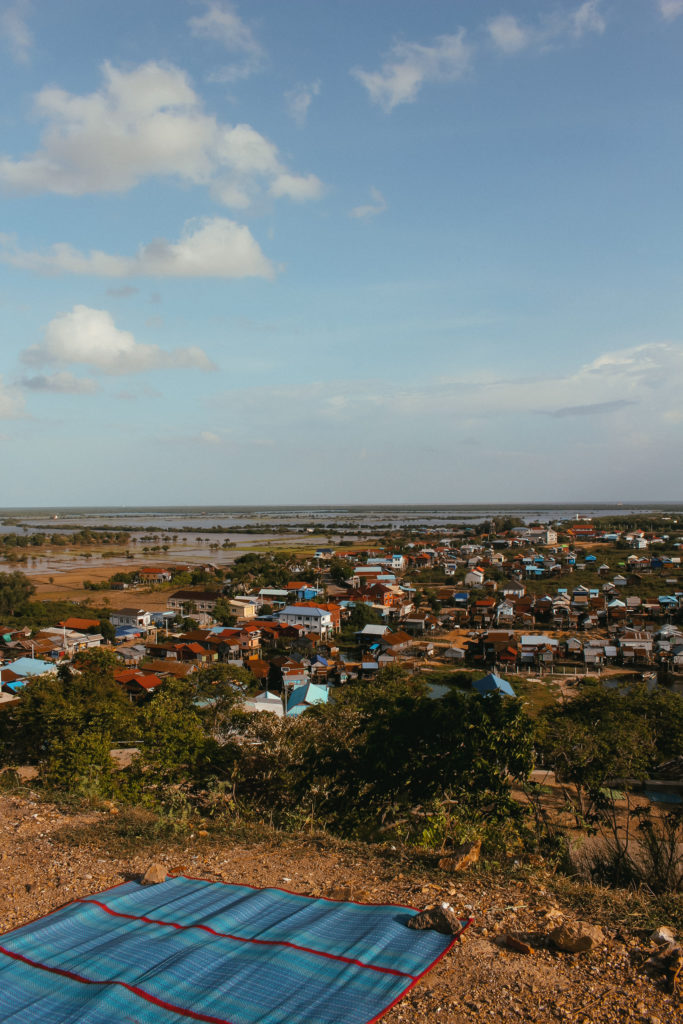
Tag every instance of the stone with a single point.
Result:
(154, 874)
(662, 936)
(518, 945)
(341, 892)
(577, 936)
(442, 919)
(462, 857)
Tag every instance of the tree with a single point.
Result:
(15, 591)
(107, 630)
(364, 615)
(223, 613)
(66, 723)
(340, 570)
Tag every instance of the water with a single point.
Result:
(202, 518)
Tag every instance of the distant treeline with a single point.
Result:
(77, 538)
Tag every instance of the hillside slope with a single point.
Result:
(49, 856)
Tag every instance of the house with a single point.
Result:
(19, 672)
(371, 633)
(454, 654)
(154, 575)
(313, 620)
(513, 588)
(265, 701)
(135, 618)
(475, 577)
(492, 683)
(81, 625)
(137, 684)
(242, 607)
(542, 535)
(303, 697)
(198, 604)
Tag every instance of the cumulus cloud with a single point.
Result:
(410, 65)
(378, 205)
(510, 35)
(89, 337)
(222, 24)
(670, 9)
(299, 99)
(11, 403)
(64, 383)
(141, 124)
(14, 29)
(212, 247)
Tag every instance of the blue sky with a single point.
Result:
(336, 252)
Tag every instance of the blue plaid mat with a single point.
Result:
(189, 949)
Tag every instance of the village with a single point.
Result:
(477, 606)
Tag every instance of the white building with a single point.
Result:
(313, 620)
(138, 618)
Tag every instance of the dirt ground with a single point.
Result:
(49, 857)
(68, 586)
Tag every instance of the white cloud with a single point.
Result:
(141, 124)
(511, 36)
(378, 205)
(297, 187)
(215, 247)
(89, 337)
(14, 29)
(63, 383)
(588, 18)
(649, 376)
(222, 24)
(11, 403)
(299, 99)
(670, 9)
(507, 33)
(410, 65)
(208, 437)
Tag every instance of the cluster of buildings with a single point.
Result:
(516, 600)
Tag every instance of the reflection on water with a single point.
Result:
(187, 548)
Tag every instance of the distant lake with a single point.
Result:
(300, 517)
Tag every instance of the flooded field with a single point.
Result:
(60, 572)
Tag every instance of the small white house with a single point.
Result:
(138, 618)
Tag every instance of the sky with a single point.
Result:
(369, 251)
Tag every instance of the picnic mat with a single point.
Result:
(189, 949)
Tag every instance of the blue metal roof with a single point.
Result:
(31, 667)
(492, 683)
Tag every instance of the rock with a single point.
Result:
(442, 919)
(518, 945)
(552, 914)
(154, 874)
(662, 936)
(576, 937)
(341, 892)
(462, 857)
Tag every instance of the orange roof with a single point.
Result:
(78, 624)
